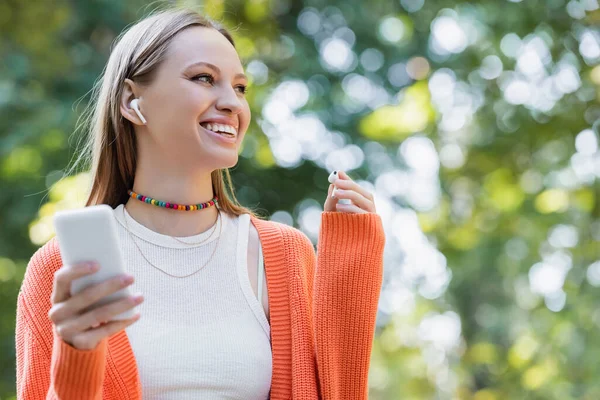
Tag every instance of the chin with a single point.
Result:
(222, 162)
(231, 164)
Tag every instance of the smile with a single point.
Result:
(222, 129)
(225, 137)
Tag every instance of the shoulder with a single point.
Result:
(288, 234)
(39, 275)
(47, 258)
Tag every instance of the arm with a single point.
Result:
(346, 293)
(33, 360)
(66, 373)
(47, 367)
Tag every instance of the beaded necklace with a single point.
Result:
(174, 206)
(182, 207)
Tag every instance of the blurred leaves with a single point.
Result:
(393, 123)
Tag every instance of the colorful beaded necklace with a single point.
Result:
(173, 206)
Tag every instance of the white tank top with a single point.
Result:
(201, 337)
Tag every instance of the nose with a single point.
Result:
(229, 101)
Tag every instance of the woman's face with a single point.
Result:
(197, 91)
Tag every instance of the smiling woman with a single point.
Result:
(199, 82)
(234, 306)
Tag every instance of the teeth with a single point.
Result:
(220, 128)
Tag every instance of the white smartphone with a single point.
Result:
(90, 234)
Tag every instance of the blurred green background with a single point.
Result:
(475, 124)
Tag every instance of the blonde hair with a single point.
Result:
(110, 146)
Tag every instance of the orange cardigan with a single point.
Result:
(322, 316)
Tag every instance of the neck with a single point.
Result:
(183, 190)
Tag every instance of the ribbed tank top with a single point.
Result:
(205, 336)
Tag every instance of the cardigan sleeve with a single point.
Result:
(47, 367)
(347, 286)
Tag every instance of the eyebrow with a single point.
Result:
(212, 66)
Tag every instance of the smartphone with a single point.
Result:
(90, 234)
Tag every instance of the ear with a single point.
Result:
(130, 91)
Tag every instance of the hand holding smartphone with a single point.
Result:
(90, 303)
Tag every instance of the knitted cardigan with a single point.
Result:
(322, 317)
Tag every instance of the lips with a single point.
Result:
(220, 128)
(226, 138)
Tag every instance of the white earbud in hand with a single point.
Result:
(332, 177)
(134, 104)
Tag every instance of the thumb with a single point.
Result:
(330, 202)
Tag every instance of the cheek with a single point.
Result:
(199, 97)
(183, 98)
(169, 105)
(194, 102)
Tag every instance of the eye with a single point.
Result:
(208, 78)
(204, 77)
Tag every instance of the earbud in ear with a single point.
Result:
(136, 107)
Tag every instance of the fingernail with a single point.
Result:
(127, 279)
(138, 297)
(92, 266)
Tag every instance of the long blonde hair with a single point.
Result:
(110, 146)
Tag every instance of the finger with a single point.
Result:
(330, 202)
(89, 296)
(343, 175)
(90, 338)
(100, 315)
(357, 198)
(350, 208)
(348, 184)
(65, 275)
(92, 294)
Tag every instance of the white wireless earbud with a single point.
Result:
(134, 104)
(332, 177)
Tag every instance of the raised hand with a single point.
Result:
(362, 199)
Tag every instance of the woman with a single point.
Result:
(168, 121)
